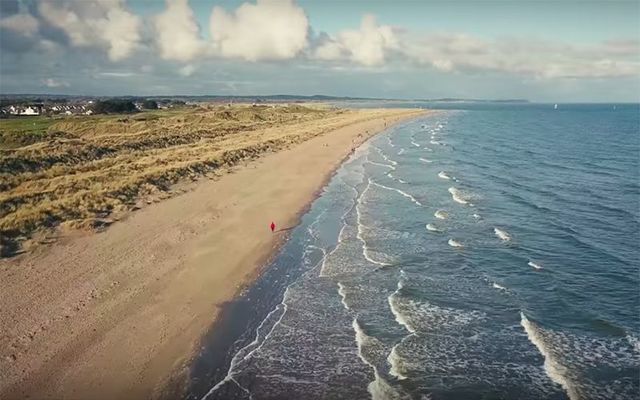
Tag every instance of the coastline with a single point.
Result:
(125, 331)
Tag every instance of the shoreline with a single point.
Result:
(145, 328)
(227, 333)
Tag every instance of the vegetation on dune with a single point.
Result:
(79, 169)
(149, 105)
(114, 106)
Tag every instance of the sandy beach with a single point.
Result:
(119, 314)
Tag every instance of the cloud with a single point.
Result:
(9, 7)
(53, 83)
(178, 32)
(88, 23)
(266, 30)
(24, 24)
(455, 52)
(367, 45)
(187, 70)
(116, 74)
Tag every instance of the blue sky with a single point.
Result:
(541, 50)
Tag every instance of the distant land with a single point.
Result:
(244, 98)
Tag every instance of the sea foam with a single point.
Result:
(553, 369)
(534, 265)
(457, 196)
(441, 214)
(443, 175)
(503, 235)
(403, 193)
(433, 228)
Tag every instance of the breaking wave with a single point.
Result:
(441, 214)
(443, 175)
(503, 235)
(458, 196)
(534, 265)
(433, 228)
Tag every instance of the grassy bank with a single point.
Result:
(78, 170)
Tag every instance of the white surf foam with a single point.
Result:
(634, 341)
(379, 388)
(553, 369)
(242, 355)
(395, 362)
(415, 144)
(343, 295)
(476, 216)
(396, 178)
(391, 167)
(425, 160)
(385, 157)
(503, 235)
(499, 287)
(433, 228)
(441, 214)
(361, 227)
(403, 193)
(534, 265)
(457, 196)
(393, 305)
(390, 142)
(454, 243)
(401, 152)
(443, 175)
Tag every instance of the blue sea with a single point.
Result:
(483, 251)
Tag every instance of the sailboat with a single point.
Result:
(555, 106)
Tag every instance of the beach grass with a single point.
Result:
(78, 170)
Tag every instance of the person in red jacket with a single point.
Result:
(272, 226)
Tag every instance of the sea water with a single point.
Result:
(487, 252)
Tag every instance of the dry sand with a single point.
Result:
(116, 314)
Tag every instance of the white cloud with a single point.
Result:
(24, 24)
(187, 70)
(54, 83)
(87, 23)
(526, 57)
(178, 32)
(116, 74)
(267, 30)
(367, 45)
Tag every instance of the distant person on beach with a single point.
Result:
(272, 226)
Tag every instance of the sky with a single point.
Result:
(544, 51)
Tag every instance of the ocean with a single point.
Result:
(486, 251)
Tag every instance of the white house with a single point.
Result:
(30, 111)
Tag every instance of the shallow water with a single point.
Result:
(481, 253)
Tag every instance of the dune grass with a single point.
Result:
(77, 170)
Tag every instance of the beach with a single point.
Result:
(120, 313)
(452, 256)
